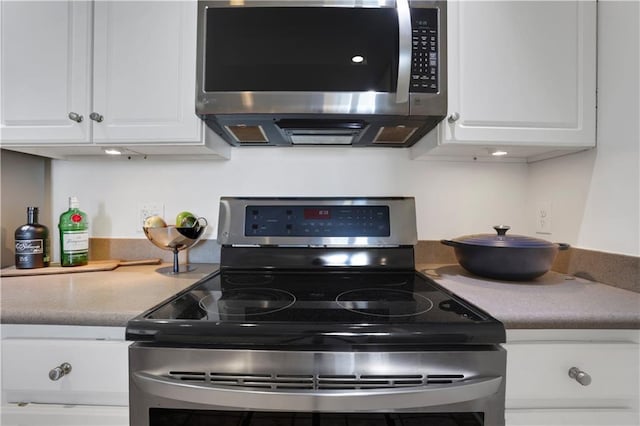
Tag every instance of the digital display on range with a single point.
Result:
(317, 221)
(317, 213)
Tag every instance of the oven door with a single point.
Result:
(310, 57)
(187, 386)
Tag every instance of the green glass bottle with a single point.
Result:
(74, 235)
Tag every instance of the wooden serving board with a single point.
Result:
(92, 266)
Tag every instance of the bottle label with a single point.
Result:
(29, 246)
(75, 241)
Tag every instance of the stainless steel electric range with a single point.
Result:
(316, 317)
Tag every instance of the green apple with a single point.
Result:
(154, 222)
(186, 220)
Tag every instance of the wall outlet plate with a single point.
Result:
(146, 210)
(544, 218)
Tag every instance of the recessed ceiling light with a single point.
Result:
(112, 151)
(498, 152)
(358, 59)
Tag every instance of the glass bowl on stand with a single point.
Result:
(176, 239)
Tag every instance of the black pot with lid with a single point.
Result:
(505, 257)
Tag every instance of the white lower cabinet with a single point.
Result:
(540, 391)
(61, 375)
(63, 415)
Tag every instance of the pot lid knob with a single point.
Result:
(501, 229)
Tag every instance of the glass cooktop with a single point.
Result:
(315, 309)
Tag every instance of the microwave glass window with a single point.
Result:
(301, 49)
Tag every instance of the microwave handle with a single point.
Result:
(404, 51)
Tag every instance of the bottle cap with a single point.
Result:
(74, 203)
(32, 214)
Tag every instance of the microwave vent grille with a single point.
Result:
(394, 134)
(247, 134)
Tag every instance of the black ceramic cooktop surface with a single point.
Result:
(318, 309)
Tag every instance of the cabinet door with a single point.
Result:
(98, 373)
(540, 391)
(44, 71)
(144, 72)
(538, 375)
(522, 72)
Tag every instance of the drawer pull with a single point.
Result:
(60, 371)
(75, 117)
(96, 117)
(580, 376)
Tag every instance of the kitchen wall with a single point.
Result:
(453, 198)
(24, 182)
(595, 196)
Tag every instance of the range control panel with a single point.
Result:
(424, 50)
(317, 221)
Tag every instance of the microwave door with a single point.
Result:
(342, 60)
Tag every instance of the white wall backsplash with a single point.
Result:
(595, 195)
(453, 198)
(24, 181)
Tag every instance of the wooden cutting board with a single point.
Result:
(92, 266)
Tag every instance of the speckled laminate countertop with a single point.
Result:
(91, 298)
(552, 301)
(112, 298)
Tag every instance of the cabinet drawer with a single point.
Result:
(538, 375)
(99, 371)
(63, 415)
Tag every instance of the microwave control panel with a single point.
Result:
(424, 50)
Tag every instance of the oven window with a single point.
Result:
(179, 417)
(301, 49)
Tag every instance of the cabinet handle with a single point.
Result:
(60, 371)
(454, 117)
(76, 117)
(96, 117)
(580, 376)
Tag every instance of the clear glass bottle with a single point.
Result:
(32, 243)
(74, 235)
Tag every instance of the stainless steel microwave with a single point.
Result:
(333, 72)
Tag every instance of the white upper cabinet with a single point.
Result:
(144, 71)
(45, 72)
(522, 77)
(85, 76)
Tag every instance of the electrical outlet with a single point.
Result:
(146, 210)
(543, 218)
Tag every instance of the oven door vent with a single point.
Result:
(262, 381)
(370, 381)
(189, 376)
(441, 379)
(314, 382)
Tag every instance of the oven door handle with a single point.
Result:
(314, 400)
